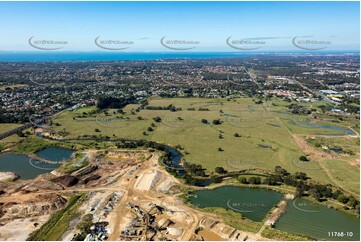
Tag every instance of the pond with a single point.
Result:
(28, 168)
(252, 203)
(318, 221)
(25, 167)
(55, 153)
(308, 124)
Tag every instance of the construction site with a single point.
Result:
(126, 194)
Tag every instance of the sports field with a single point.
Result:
(264, 133)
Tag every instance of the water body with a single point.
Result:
(252, 203)
(24, 166)
(229, 115)
(48, 56)
(329, 127)
(55, 153)
(28, 168)
(316, 220)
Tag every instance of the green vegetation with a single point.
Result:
(84, 227)
(32, 145)
(275, 234)
(58, 223)
(305, 187)
(71, 167)
(244, 125)
(4, 127)
(336, 145)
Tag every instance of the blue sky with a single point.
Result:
(207, 23)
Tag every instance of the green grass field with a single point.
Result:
(4, 127)
(265, 136)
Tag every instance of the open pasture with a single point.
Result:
(250, 135)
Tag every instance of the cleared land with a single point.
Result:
(266, 134)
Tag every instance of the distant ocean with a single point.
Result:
(119, 56)
(108, 56)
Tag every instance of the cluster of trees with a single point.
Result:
(252, 180)
(194, 169)
(296, 109)
(112, 102)
(170, 107)
(12, 116)
(132, 144)
(220, 170)
(300, 180)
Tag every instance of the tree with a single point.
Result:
(237, 135)
(20, 133)
(299, 192)
(342, 198)
(217, 122)
(352, 202)
(301, 175)
(242, 180)
(157, 119)
(205, 121)
(272, 180)
(220, 149)
(220, 170)
(315, 193)
(280, 171)
(303, 158)
(150, 129)
(97, 130)
(254, 180)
